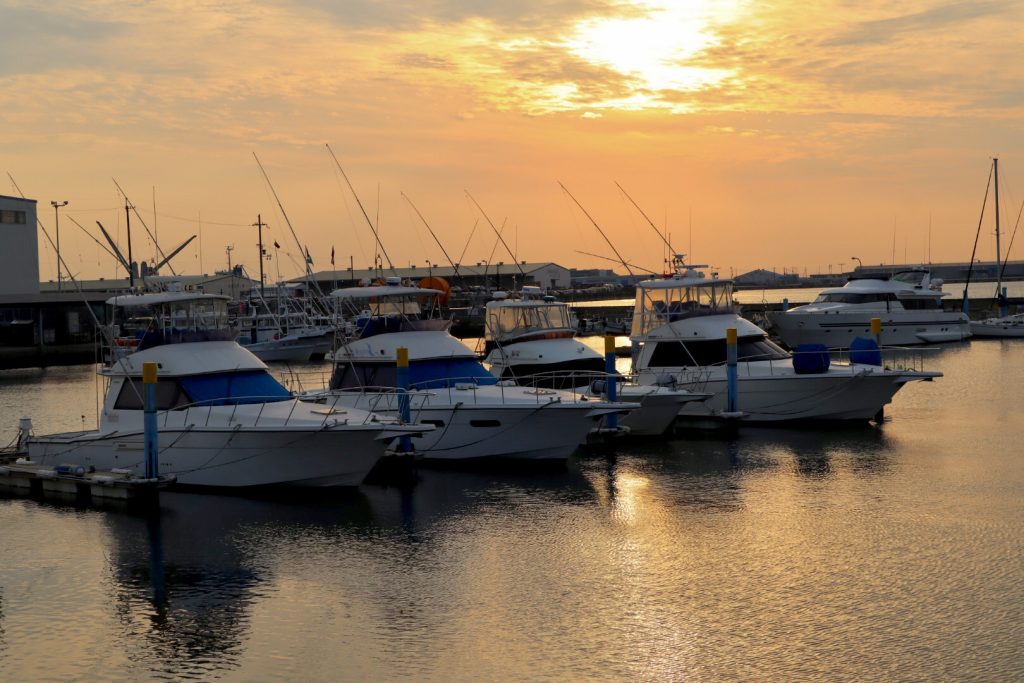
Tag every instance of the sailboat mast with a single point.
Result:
(999, 251)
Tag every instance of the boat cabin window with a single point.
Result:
(713, 352)
(656, 306)
(423, 374)
(922, 303)
(854, 297)
(504, 320)
(169, 395)
(216, 389)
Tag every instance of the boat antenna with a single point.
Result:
(376, 235)
(454, 265)
(621, 260)
(130, 205)
(995, 201)
(965, 306)
(101, 245)
(500, 238)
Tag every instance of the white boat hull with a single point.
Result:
(482, 424)
(838, 329)
(776, 395)
(225, 457)
(1010, 327)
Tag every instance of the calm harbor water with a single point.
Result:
(887, 552)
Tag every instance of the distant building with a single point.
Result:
(19, 246)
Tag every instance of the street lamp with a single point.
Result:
(56, 217)
(859, 264)
(430, 270)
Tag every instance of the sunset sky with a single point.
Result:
(771, 134)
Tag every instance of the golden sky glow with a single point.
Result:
(789, 135)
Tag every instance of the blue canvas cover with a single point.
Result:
(811, 359)
(234, 388)
(865, 350)
(432, 374)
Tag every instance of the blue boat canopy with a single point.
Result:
(231, 388)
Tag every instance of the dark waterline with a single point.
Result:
(886, 552)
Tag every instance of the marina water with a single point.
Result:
(887, 552)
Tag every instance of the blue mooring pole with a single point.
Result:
(610, 381)
(150, 442)
(404, 410)
(732, 389)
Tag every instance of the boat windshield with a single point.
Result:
(503, 321)
(850, 298)
(217, 389)
(915, 278)
(656, 306)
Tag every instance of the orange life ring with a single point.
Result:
(438, 283)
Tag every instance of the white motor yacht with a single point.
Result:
(532, 340)
(142, 321)
(908, 303)
(679, 334)
(477, 417)
(223, 421)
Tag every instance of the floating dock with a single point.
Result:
(75, 482)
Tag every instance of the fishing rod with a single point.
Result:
(307, 260)
(462, 257)
(376, 235)
(500, 238)
(621, 260)
(647, 218)
(646, 270)
(454, 265)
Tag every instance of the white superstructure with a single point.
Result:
(909, 305)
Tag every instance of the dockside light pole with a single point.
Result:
(56, 218)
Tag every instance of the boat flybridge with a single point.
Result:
(142, 321)
(223, 421)
(680, 329)
(477, 417)
(908, 303)
(532, 340)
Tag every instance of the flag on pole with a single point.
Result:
(309, 259)
(332, 255)
(276, 245)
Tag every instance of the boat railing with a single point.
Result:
(910, 359)
(203, 411)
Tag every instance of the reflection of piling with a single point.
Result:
(609, 368)
(732, 387)
(150, 442)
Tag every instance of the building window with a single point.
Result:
(12, 217)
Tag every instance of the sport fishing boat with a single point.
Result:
(679, 334)
(223, 421)
(908, 303)
(142, 321)
(477, 417)
(532, 340)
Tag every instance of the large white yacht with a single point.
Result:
(477, 417)
(908, 303)
(532, 341)
(679, 333)
(223, 421)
